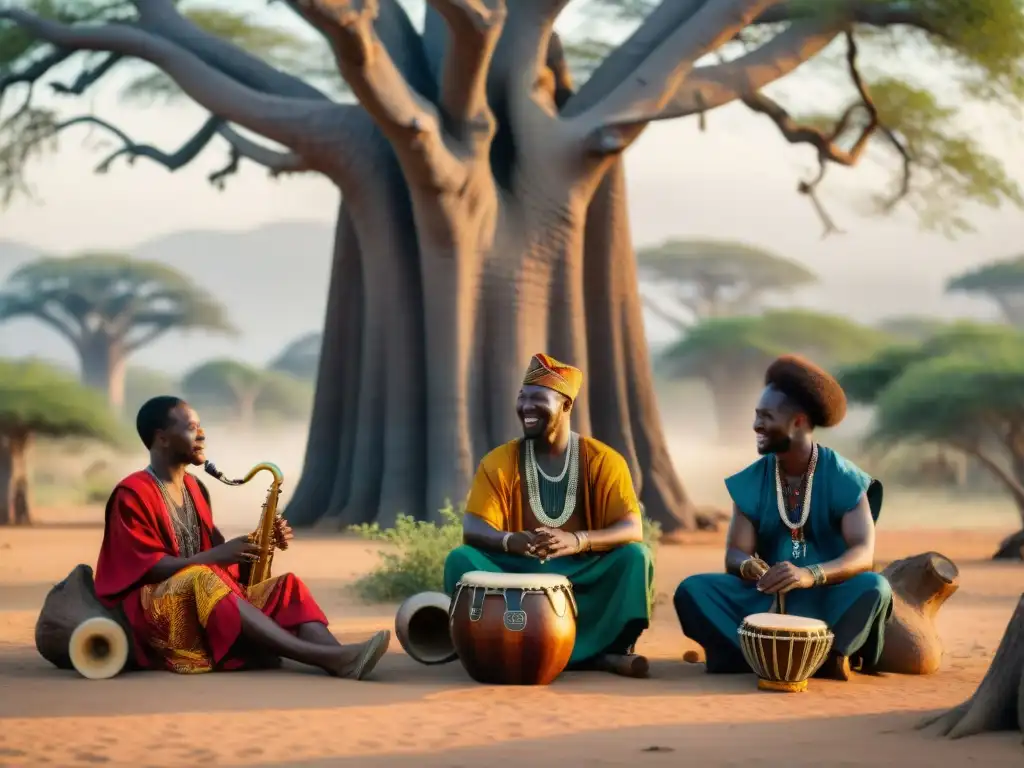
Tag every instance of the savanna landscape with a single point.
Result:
(474, 196)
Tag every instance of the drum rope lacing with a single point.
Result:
(572, 467)
(796, 529)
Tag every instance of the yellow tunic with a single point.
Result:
(605, 493)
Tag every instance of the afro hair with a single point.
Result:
(812, 389)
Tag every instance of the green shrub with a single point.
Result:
(417, 564)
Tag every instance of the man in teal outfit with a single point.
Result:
(803, 531)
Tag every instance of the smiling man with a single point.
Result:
(180, 583)
(555, 502)
(803, 527)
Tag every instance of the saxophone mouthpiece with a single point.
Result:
(211, 469)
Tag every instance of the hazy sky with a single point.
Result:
(737, 181)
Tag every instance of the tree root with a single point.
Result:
(998, 703)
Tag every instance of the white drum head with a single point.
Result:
(784, 621)
(98, 648)
(514, 580)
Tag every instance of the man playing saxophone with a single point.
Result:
(180, 583)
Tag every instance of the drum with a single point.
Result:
(784, 651)
(513, 629)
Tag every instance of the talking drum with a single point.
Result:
(784, 651)
(513, 629)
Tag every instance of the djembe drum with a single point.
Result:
(513, 629)
(784, 651)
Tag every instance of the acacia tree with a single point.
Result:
(730, 355)
(714, 278)
(244, 393)
(963, 389)
(36, 399)
(108, 306)
(1000, 281)
(301, 358)
(484, 214)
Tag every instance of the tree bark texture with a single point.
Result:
(14, 485)
(920, 586)
(484, 220)
(998, 703)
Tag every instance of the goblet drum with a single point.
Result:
(513, 629)
(783, 650)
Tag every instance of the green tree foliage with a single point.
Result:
(37, 399)
(301, 358)
(244, 393)
(962, 389)
(912, 328)
(108, 305)
(731, 354)
(1000, 281)
(714, 278)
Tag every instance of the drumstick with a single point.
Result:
(782, 602)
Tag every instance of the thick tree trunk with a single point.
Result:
(998, 703)
(920, 586)
(103, 367)
(14, 486)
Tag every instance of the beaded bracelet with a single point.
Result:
(818, 573)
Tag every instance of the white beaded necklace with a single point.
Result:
(797, 529)
(572, 467)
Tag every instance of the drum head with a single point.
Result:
(513, 580)
(783, 621)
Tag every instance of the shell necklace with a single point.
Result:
(572, 468)
(796, 529)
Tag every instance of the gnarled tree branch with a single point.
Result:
(88, 77)
(474, 30)
(284, 120)
(410, 122)
(618, 119)
(242, 147)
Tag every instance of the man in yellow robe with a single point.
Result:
(555, 502)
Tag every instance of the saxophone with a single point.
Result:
(264, 535)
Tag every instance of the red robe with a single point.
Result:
(190, 622)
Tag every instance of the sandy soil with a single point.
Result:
(409, 715)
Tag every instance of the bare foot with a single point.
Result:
(358, 661)
(836, 667)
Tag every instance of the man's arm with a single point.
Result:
(477, 532)
(858, 530)
(625, 531)
(740, 542)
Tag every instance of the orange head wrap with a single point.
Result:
(545, 371)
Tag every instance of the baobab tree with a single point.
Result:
(484, 214)
(1001, 281)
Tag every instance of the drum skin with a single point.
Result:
(495, 655)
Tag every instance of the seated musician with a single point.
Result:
(802, 535)
(182, 586)
(556, 502)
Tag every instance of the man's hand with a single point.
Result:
(783, 577)
(553, 542)
(521, 543)
(233, 551)
(282, 533)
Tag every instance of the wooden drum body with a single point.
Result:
(513, 629)
(784, 651)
